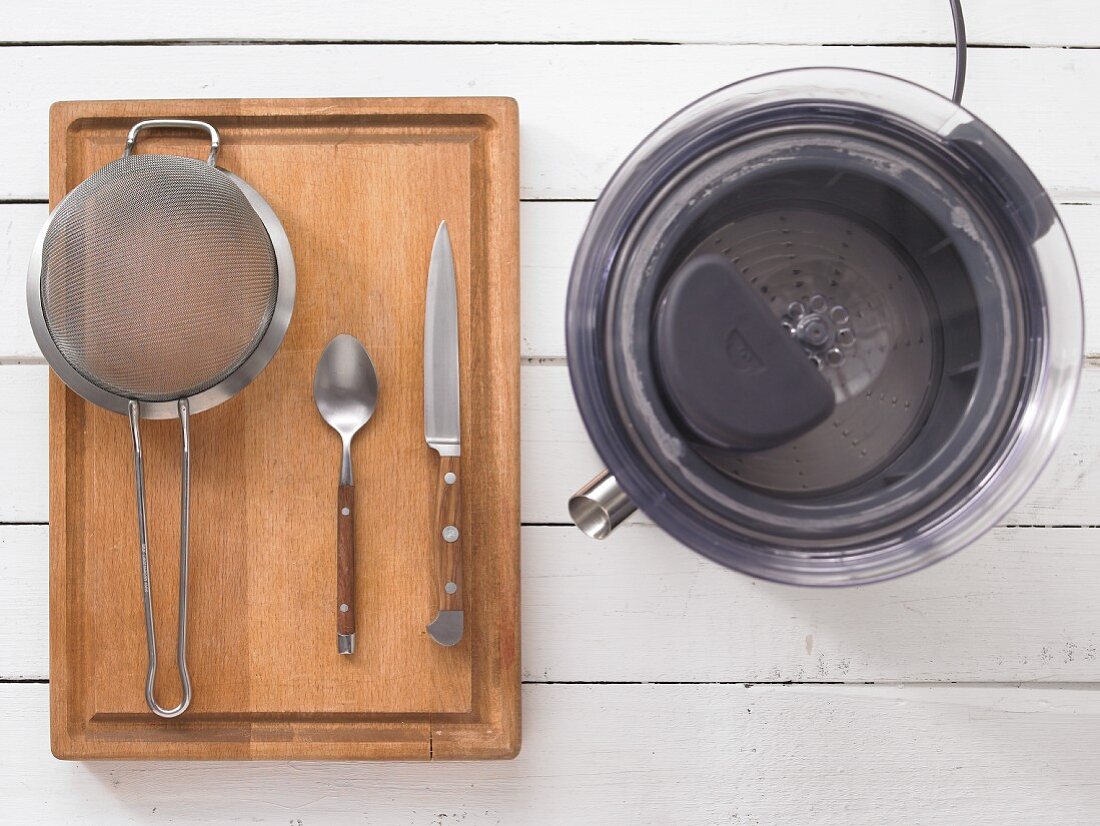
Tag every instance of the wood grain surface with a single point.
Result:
(634, 648)
(586, 605)
(360, 186)
(701, 21)
(827, 755)
(573, 136)
(556, 451)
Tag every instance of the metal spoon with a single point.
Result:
(345, 390)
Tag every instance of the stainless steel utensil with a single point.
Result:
(345, 390)
(160, 287)
(443, 432)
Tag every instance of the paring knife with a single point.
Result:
(442, 431)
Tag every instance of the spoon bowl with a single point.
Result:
(345, 390)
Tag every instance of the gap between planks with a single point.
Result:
(1068, 685)
(1083, 198)
(260, 41)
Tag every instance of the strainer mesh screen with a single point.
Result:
(158, 277)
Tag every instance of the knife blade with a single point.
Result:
(443, 433)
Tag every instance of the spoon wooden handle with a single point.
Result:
(345, 570)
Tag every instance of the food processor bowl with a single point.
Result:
(918, 266)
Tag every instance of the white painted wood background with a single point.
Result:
(659, 688)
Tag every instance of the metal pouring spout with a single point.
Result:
(600, 506)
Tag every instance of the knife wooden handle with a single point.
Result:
(345, 563)
(448, 535)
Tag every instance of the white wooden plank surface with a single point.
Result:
(557, 456)
(24, 602)
(701, 21)
(549, 234)
(582, 108)
(637, 754)
(24, 442)
(641, 608)
(19, 225)
(637, 609)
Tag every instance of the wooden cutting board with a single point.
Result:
(360, 186)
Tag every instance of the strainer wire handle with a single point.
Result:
(174, 123)
(146, 590)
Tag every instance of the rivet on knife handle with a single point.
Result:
(446, 628)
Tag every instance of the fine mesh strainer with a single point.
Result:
(160, 287)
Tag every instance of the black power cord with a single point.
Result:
(960, 50)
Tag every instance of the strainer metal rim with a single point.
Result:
(224, 390)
